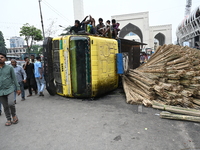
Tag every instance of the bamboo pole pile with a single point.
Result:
(170, 77)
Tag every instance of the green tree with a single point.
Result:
(40, 51)
(31, 34)
(3, 48)
(37, 49)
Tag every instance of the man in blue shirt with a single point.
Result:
(39, 76)
(8, 83)
(21, 78)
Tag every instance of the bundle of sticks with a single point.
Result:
(170, 77)
(169, 81)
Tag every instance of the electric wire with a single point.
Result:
(56, 11)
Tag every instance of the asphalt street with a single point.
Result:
(106, 123)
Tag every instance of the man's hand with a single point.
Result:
(40, 77)
(24, 81)
(18, 92)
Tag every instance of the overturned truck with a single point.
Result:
(85, 66)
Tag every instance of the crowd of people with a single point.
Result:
(110, 29)
(144, 57)
(12, 80)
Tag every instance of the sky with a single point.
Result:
(16, 13)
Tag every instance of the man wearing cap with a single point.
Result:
(21, 78)
(8, 84)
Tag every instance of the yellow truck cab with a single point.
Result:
(80, 66)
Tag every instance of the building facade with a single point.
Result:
(16, 42)
(189, 29)
(138, 23)
(16, 52)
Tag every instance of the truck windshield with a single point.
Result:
(80, 66)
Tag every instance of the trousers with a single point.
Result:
(8, 105)
(31, 84)
(22, 90)
(40, 84)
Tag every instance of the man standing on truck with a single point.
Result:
(8, 83)
(77, 27)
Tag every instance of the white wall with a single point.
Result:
(141, 20)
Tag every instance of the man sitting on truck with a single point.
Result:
(100, 27)
(77, 27)
(114, 28)
(107, 32)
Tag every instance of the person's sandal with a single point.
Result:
(15, 120)
(8, 123)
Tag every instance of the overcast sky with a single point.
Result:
(15, 13)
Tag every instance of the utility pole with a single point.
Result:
(41, 19)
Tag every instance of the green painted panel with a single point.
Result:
(61, 44)
(80, 66)
(73, 65)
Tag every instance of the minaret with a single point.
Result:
(78, 10)
(188, 7)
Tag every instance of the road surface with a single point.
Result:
(106, 123)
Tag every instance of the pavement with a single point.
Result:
(105, 123)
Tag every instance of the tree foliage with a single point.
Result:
(3, 48)
(31, 34)
(37, 49)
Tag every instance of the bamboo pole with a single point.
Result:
(167, 115)
(175, 82)
(166, 86)
(129, 98)
(196, 101)
(176, 61)
(143, 79)
(147, 87)
(175, 109)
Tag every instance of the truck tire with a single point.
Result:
(48, 66)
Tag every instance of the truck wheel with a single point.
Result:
(48, 66)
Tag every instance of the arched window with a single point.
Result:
(131, 28)
(160, 38)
